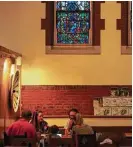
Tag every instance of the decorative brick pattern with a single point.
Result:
(57, 100)
(125, 101)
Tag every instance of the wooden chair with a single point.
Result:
(116, 138)
(55, 142)
(1, 143)
(85, 140)
(126, 142)
(21, 140)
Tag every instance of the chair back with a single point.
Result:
(63, 141)
(20, 140)
(85, 140)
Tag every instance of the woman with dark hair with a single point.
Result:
(40, 125)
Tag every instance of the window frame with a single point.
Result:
(47, 24)
(129, 25)
(123, 24)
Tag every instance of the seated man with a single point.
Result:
(22, 126)
(71, 122)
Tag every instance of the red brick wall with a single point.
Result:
(57, 100)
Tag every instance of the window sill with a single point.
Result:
(75, 50)
(126, 50)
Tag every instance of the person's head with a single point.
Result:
(26, 114)
(39, 116)
(54, 129)
(72, 113)
(79, 119)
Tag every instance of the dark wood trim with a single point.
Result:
(66, 116)
(123, 129)
(122, 24)
(48, 23)
(98, 23)
(112, 128)
(4, 52)
(70, 87)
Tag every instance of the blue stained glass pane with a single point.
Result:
(58, 5)
(73, 38)
(78, 27)
(73, 16)
(73, 22)
(73, 5)
(72, 27)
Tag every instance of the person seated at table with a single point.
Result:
(40, 125)
(54, 130)
(22, 126)
(80, 127)
(71, 122)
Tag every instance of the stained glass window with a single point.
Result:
(73, 22)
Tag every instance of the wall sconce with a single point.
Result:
(5, 65)
(13, 69)
(19, 61)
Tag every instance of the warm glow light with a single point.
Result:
(19, 61)
(5, 65)
(13, 69)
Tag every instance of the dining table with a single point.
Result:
(47, 140)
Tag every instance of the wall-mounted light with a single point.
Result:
(13, 69)
(19, 61)
(5, 65)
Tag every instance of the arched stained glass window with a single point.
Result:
(73, 22)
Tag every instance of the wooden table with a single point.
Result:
(64, 140)
(128, 135)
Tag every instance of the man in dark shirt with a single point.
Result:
(22, 126)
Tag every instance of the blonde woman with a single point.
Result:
(80, 127)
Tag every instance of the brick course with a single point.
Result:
(57, 100)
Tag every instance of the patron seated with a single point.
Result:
(54, 130)
(80, 127)
(22, 126)
(40, 125)
(71, 122)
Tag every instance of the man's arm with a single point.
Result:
(90, 130)
(66, 126)
(69, 126)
